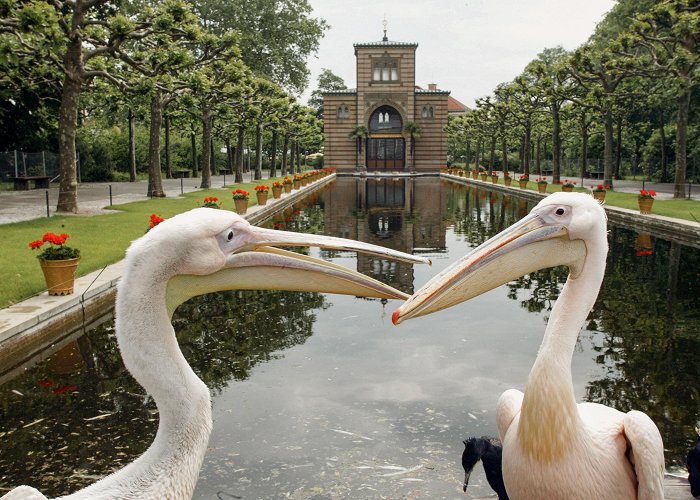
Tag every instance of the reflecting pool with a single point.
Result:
(320, 396)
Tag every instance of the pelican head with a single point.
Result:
(206, 250)
(563, 229)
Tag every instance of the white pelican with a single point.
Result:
(197, 252)
(552, 447)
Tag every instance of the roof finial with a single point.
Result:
(384, 23)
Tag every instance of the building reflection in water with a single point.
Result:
(402, 214)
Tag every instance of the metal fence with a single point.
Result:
(21, 164)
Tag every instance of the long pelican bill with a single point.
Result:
(535, 242)
(261, 237)
(262, 267)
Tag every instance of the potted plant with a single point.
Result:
(240, 199)
(287, 183)
(297, 181)
(541, 184)
(153, 221)
(483, 174)
(567, 185)
(277, 189)
(645, 200)
(494, 177)
(599, 192)
(211, 202)
(261, 193)
(507, 179)
(523, 180)
(58, 262)
(475, 174)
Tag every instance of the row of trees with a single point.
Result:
(219, 69)
(631, 84)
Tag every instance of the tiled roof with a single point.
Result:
(340, 92)
(454, 106)
(387, 43)
(434, 92)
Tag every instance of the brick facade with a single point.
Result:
(386, 98)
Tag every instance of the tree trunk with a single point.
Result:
(467, 154)
(155, 181)
(662, 138)
(239, 153)
(504, 152)
(618, 148)
(285, 150)
(168, 158)
(478, 152)
(538, 155)
(298, 152)
(193, 147)
(229, 154)
(526, 147)
(584, 146)
(258, 150)
(492, 158)
(273, 155)
(207, 122)
(556, 145)
(132, 147)
(681, 145)
(67, 125)
(608, 152)
(214, 169)
(292, 159)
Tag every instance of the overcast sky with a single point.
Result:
(465, 46)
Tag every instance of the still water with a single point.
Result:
(320, 396)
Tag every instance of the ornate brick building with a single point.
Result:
(370, 127)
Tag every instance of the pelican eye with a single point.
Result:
(560, 211)
(229, 236)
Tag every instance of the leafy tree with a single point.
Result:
(327, 81)
(277, 36)
(414, 131)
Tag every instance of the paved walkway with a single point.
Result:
(93, 197)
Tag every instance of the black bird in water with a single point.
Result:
(489, 451)
(694, 465)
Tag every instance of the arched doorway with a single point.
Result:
(385, 146)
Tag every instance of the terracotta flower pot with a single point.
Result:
(262, 197)
(494, 179)
(645, 205)
(475, 175)
(59, 275)
(599, 195)
(297, 184)
(567, 189)
(287, 188)
(241, 206)
(277, 192)
(523, 184)
(507, 181)
(541, 188)
(483, 177)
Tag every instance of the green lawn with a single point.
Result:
(103, 239)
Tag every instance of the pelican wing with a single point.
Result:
(646, 450)
(507, 408)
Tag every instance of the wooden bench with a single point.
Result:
(596, 174)
(224, 171)
(178, 174)
(22, 183)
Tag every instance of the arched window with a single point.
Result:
(385, 69)
(431, 114)
(385, 119)
(424, 112)
(342, 112)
